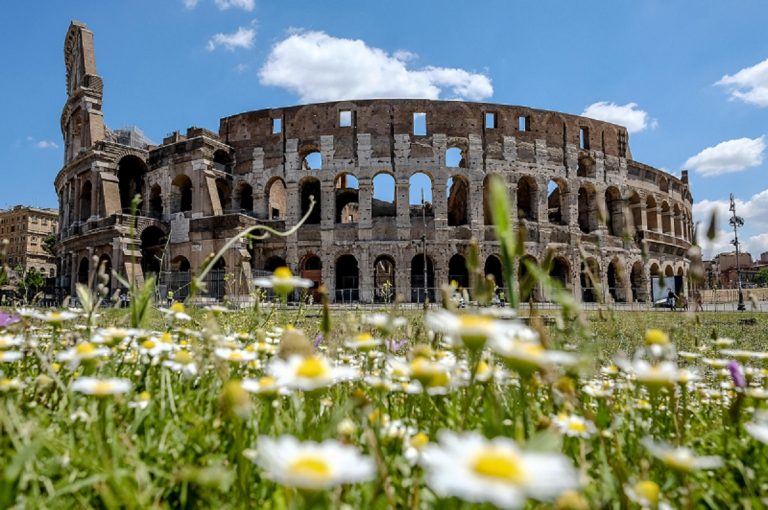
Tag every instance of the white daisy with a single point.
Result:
(101, 387)
(574, 426)
(238, 355)
(311, 465)
(680, 458)
(309, 373)
(478, 470)
(10, 356)
(282, 281)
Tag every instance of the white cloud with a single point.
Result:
(46, 144)
(190, 4)
(749, 85)
(319, 67)
(246, 5)
(628, 115)
(729, 156)
(755, 214)
(243, 38)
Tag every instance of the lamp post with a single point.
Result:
(737, 222)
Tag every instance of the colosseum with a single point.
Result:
(400, 189)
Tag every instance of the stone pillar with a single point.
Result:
(365, 282)
(365, 204)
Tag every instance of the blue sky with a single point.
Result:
(685, 75)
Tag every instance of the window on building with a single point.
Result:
(523, 123)
(345, 118)
(490, 120)
(420, 124)
(277, 126)
(584, 138)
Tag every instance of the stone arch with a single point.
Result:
(666, 220)
(525, 280)
(152, 248)
(422, 288)
(347, 198)
(638, 282)
(86, 197)
(677, 221)
(527, 198)
(590, 280)
(457, 192)
(312, 159)
(556, 204)
(83, 271)
(586, 167)
(310, 187)
(493, 268)
(384, 198)
(181, 197)
(384, 279)
(652, 213)
(130, 176)
(276, 199)
(180, 263)
(636, 210)
(614, 211)
(454, 157)
(244, 196)
(156, 201)
(560, 270)
(669, 271)
(222, 161)
(487, 215)
(615, 278)
(420, 189)
(680, 281)
(347, 278)
(311, 268)
(587, 203)
(457, 271)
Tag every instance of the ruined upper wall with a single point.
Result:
(385, 118)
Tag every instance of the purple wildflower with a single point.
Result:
(737, 374)
(318, 341)
(396, 345)
(7, 319)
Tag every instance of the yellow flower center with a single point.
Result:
(364, 337)
(498, 464)
(656, 337)
(267, 381)
(54, 315)
(177, 307)
(314, 468)
(419, 440)
(102, 388)
(85, 348)
(144, 396)
(577, 426)
(235, 355)
(680, 460)
(166, 338)
(649, 491)
(183, 357)
(474, 330)
(282, 273)
(148, 344)
(312, 368)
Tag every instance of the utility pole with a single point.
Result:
(424, 243)
(737, 222)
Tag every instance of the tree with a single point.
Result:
(49, 243)
(29, 283)
(761, 278)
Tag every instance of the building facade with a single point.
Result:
(25, 230)
(400, 189)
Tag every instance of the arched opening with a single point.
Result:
(82, 271)
(277, 199)
(680, 282)
(130, 177)
(636, 207)
(666, 219)
(222, 161)
(156, 202)
(85, 200)
(614, 219)
(525, 279)
(457, 271)
(587, 209)
(590, 280)
(637, 283)
(244, 197)
(152, 248)
(652, 214)
(560, 271)
(586, 167)
(669, 272)
(383, 202)
(312, 161)
(556, 202)
(105, 267)
(678, 222)
(181, 198)
(457, 191)
(347, 279)
(526, 198)
(420, 195)
(384, 279)
(347, 190)
(487, 216)
(224, 192)
(273, 263)
(310, 187)
(615, 280)
(422, 279)
(454, 158)
(180, 263)
(180, 277)
(493, 268)
(311, 268)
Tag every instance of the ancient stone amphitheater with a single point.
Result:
(394, 180)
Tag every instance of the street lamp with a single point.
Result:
(737, 222)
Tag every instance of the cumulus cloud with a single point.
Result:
(628, 115)
(728, 157)
(319, 67)
(246, 5)
(46, 144)
(243, 38)
(755, 214)
(749, 85)
(190, 4)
